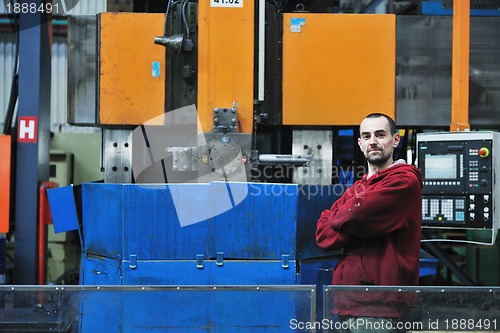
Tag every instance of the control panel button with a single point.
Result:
(483, 152)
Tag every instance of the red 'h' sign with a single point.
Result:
(27, 129)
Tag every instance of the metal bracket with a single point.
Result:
(226, 119)
(199, 261)
(285, 261)
(184, 158)
(220, 259)
(133, 261)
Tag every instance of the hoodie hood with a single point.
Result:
(398, 166)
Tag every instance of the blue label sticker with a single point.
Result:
(156, 69)
(297, 21)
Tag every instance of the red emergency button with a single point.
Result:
(483, 152)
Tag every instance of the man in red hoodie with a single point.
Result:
(377, 223)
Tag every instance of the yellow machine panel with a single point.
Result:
(337, 68)
(226, 62)
(131, 68)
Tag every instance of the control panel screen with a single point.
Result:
(440, 166)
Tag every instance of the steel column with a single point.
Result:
(33, 153)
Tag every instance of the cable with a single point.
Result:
(170, 5)
(280, 4)
(183, 14)
(14, 90)
(166, 17)
(409, 9)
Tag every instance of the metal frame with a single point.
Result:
(32, 158)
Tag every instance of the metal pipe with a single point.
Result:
(460, 66)
(296, 160)
(371, 7)
(43, 221)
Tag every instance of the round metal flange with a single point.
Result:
(225, 158)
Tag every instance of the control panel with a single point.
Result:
(459, 175)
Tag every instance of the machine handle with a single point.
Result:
(327, 269)
(98, 272)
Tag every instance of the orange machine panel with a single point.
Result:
(226, 62)
(131, 68)
(337, 68)
(5, 151)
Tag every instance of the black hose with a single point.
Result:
(14, 90)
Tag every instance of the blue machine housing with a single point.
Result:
(133, 233)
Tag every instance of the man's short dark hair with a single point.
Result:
(392, 124)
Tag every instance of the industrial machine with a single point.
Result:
(241, 109)
(191, 101)
(460, 180)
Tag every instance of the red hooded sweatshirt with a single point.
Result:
(377, 223)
